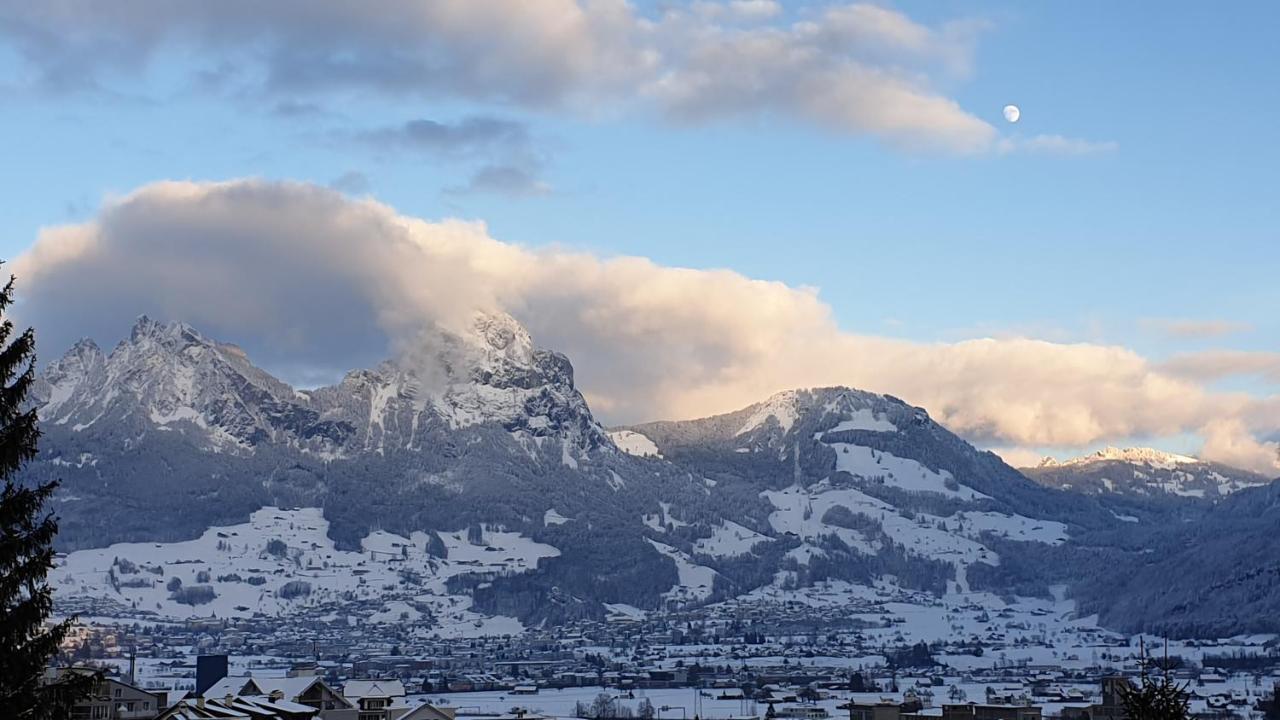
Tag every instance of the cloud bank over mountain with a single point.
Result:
(312, 283)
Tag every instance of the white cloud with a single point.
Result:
(852, 68)
(1019, 457)
(306, 277)
(1213, 365)
(1054, 145)
(1184, 328)
(737, 10)
(1229, 441)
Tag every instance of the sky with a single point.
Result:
(701, 203)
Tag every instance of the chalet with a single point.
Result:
(308, 690)
(385, 700)
(377, 699)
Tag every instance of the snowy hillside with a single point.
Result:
(840, 484)
(633, 443)
(282, 562)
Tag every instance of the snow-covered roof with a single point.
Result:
(355, 689)
(288, 687)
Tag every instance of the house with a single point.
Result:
(309, 690)
(426, 711)
(112, 699)
(373, 697)
(884, 710)
(972, 711)
(376, 699)
(385, 700)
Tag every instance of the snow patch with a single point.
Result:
(729, 539)
(634, 443)
(864, 419)
(781, 407)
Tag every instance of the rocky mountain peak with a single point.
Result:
(171, 334)
(83, 358)
(1137, 455)
(169, 376)
(503, 335)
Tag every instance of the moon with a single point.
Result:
(1012, 113)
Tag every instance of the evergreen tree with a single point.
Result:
(1155, 697)
(26, 550)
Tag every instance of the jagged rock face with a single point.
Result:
(1144, 472)
(165, 376)
(492, 374)
(170, 378)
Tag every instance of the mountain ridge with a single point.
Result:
(1145, 472)
(480, 432)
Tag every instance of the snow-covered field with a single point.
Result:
(282, 562)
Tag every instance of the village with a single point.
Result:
(732, 661)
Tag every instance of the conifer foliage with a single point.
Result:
(27, 530)
(1156, 696)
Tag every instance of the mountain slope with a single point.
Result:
(1215, 577)
(880, 477)
(1144, 472)
(475, 456)
(172, 433)
(1143, 562)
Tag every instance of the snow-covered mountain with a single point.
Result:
(1144, 472)
(860, 485)
(172, 433)
(478, 439)
(170, 378)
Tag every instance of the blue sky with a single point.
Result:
(1170, 219)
